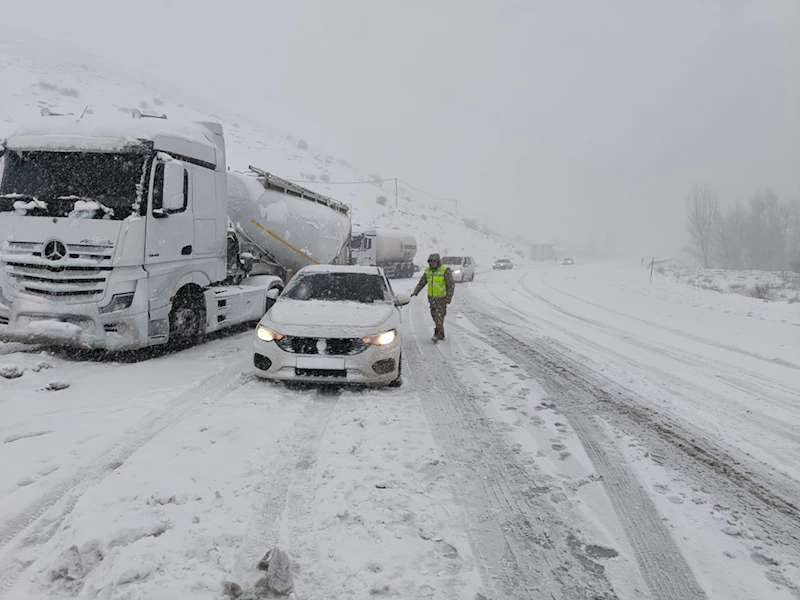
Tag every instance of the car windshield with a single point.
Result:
(72, 184)
(364, 288)
(503, 260)
(453, 260)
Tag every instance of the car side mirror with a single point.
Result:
(402, 299)
(273, 293)
(174, 198)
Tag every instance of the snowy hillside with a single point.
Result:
(32, 79)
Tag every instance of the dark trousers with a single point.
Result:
(438, 312)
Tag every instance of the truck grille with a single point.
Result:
(80, 275)
(332, 346)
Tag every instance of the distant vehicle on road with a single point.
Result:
(567, 261)
(391, 250)
(463, 267)
(502, 263)
(332, 324)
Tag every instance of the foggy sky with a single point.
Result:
(556, 119)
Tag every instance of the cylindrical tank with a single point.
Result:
(295, 231)
(393, 246)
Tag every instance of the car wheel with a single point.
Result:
(399, 380)
(187, 320)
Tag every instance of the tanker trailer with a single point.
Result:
(283, 226)
(392, 250)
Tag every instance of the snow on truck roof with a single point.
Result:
(90, 133)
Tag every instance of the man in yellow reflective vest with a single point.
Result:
(441, 287)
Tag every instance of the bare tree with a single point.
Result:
(732, 237)
(701, 221)
(770, 229)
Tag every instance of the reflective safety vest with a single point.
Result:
(437, 288)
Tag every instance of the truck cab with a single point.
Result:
(113, 234)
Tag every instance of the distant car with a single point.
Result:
(332, 324)
(502, 263)
(463, 267)
(567, 261)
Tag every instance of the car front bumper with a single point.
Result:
(377, 365)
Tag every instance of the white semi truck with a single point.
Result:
(119, 235)
(392, 250)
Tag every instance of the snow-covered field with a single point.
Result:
(761, 285)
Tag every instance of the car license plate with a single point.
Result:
(320, 362)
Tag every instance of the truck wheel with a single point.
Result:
(187, 320)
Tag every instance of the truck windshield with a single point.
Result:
(72, 184)
(339, 287)
(453, 260)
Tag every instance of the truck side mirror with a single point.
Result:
(174, 187)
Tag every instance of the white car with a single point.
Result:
(332, 324)
(463, 267)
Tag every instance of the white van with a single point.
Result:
(463, 267)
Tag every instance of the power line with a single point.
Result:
(395, 179)
(428, 193)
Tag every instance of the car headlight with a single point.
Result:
(382, 339)
(118, 302)
(457, 271)
(265, 335)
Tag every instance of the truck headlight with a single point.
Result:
(118, 302)
(265, 335)
(382, 339)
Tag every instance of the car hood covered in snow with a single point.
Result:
(320, 318)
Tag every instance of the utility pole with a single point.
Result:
(456, 215)
(395, 192)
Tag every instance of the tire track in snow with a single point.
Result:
(286, 492)
(684, 334)
(689, 358)
(660, 560)
(732, 377)
(525, 548)
(35, 525)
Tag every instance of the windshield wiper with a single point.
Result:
(85, 204)
(24, 202)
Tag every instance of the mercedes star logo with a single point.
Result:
(54, 250)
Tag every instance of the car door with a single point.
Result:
(469, 268)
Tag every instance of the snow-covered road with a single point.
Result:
(582, 433)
